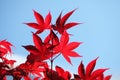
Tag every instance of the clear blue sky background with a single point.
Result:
(100, 31)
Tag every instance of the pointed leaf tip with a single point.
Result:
(97, 73)
(39, 18)
(66, 16)
(90, 67)
(48, 19)
(33, 25)
(81, 70)
(108, 77)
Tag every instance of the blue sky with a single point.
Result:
(100, 31)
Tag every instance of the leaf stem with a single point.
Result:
(56, 56)
(51, 57)
(51, 69)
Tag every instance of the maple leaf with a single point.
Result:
(31, 68)
(64, 74)
(41, 50)
(5, 47)
(88, 73)
(61, 24)
(42, 24)
(36, 68)
(66, 49)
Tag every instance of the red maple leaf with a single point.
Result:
(62, 73)
(5, 48)
(41, 50)
(66, 49)
(42, 23)
(31, 68)
(61, 24)
(88, 73)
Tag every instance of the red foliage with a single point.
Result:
(54, 44)
(66, 49)
(60, 25)
(5, 48)
(42, 23)
(88, 73)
